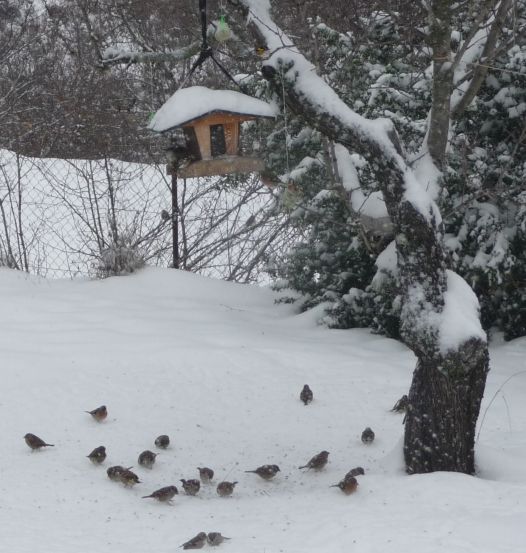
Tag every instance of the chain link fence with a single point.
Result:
(95, 218)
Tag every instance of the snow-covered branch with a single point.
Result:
(113, 56)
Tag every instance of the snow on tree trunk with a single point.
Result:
(449, 380)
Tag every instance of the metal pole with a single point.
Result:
(175, 218)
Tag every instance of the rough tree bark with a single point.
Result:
(447, 386)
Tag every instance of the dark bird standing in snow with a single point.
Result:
(114, 473)
(266, 471)
(164, 495)
(224, 489)
(205, 474)
(318, 461)
(347, 485)
(192, 486)
(215, 538)
(367, 436)
(401, 405)
(99, 414)
(147, 459)
(162, 441)
(34, 442)
(306, 395)
(98, 455)
(129, 478)
(357, 471)
(196, 542)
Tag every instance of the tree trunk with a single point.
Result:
(443, 410)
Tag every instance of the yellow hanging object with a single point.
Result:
(223, 32)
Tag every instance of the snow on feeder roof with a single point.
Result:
(192, 103)
(211, 121)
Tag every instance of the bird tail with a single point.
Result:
(50, 445)
(146, 496)
(250, 471)
(304, 467)
(334, 486)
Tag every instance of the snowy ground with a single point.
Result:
(219, 368)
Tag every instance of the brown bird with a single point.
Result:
(401, 405)
(164, 495)
(114, 473)
(306, 395)
(347, 485)
(129, 478)
(196, 542)
(357, 471)
(205, 474)
(215, 538)
(192, 486)
(99, 414)
(34, 442)
(224, 489)
(162, 441)
(266, 471)
(147, 459)
(98, 455)
(318, 461)
(367, 436)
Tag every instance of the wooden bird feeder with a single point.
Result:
(211, 121)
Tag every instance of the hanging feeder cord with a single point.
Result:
(206, 50)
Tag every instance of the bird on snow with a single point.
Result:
(266, 472)
(98, 455)
(34, 442)
(367, 436)
(147, 459)
(99, 414)
(215, 538)
(164, 495)
(192, 486)
(401, 405)
(357, 471)
(196, 542)
(306, 395)
(162, 441)
(318, 461)
(114, 473)
(347, 485)
(224, 489)
(205, 474)
(129, 478)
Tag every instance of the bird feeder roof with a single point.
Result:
(190, 104)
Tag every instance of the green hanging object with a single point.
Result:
(223, 32)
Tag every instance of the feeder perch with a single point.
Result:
(211, 121)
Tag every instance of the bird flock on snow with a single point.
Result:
(128, 478)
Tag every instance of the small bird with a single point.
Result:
(205, 474)
(99, 414)
(401, 405)
(318, 461)
(196, 542)
(266, 471)
(192, 486)
(347, 485)
(306, 395)
(367, 436)
(357, 471)
(114, 473)
(98, 455)
(34, 442)
(162, 441)
(147, 459)
(215, 538)
(164, 495)
(224, 489)
(129, 478)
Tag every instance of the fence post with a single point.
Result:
(175, 217)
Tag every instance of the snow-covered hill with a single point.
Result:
(219, 368)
